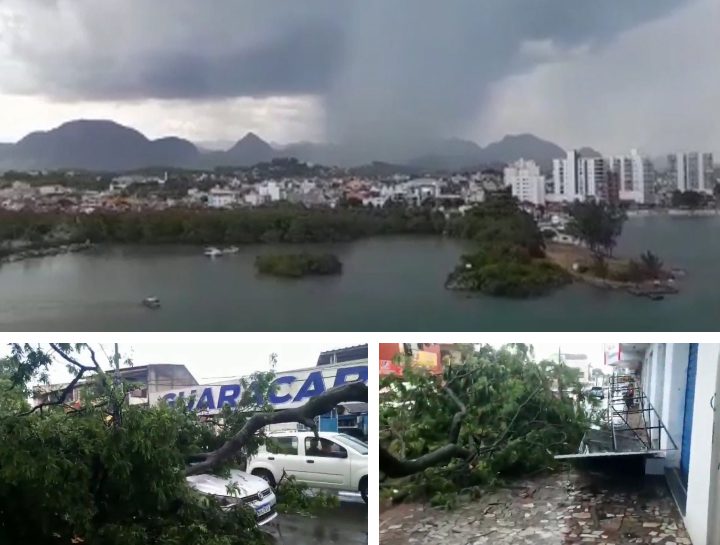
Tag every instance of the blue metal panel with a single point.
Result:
(688, 415)
(328, 423)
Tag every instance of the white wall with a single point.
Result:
(715, 474)
(698, 514)
(673, 406)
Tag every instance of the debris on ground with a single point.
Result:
(559, 509)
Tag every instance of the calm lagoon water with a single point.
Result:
(388, 284)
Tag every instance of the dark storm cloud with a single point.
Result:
(300, 62)
(388, 71)
(88, 50)
(425, 68)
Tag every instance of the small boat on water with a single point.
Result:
(151, 302)
(213, 252)
(231, 250)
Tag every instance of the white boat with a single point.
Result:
(231, 250)
(151, 302)
(213, 252)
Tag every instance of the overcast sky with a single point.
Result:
(209, 362)
(612, 74)
(217, 362)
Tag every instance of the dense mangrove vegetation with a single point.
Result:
(279, 223)
(510, 256)
(298, 265)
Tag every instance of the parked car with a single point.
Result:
(597, 392)
(251, 491)
(337, 461)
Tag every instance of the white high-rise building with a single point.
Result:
(593, 176)
(636, 177)
(527, 184)
(692, 171)
(577, 178)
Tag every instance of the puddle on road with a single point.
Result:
(347, 524)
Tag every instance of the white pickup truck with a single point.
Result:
(336, 462)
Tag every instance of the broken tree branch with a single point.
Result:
(305, 414)
(457, 417)
(60, 399)
(67, 390)
(394, 467)
(72, 361)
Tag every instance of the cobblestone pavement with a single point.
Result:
(559, 509)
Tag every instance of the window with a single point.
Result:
(360, 446)
(324, 448)
(282, 445)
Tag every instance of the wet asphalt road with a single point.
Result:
(346, 525)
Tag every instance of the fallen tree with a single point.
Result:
(305, 414)
(98, 469)
(497, 415)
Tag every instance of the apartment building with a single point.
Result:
(577, 178)
(635, 177)
(527, 184)
(692, 171)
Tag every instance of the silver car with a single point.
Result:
(251, 491)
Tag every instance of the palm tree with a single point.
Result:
(651, 264)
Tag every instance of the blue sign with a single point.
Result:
(288, 390)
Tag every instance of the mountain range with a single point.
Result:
(101, 145)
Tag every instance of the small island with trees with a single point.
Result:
(514, 257)
(597, 225)
(298, 265)
(510, 257)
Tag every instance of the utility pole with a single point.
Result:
(117, 387)
(560, 371)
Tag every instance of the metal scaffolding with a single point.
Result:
(631, 425)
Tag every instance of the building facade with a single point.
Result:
(527, 184)
(682, 383)
(635, 177)
(692, 171)
(148, 379)
(578, 178)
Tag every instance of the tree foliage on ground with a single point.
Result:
(509, 258)
(598, 224)
(113, 473)
(507, 415)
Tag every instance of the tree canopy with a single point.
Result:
(598, 224)
(687, 199)
(508, 259)
(13, 397)
(105, 472)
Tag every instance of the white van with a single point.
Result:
(336, 461)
